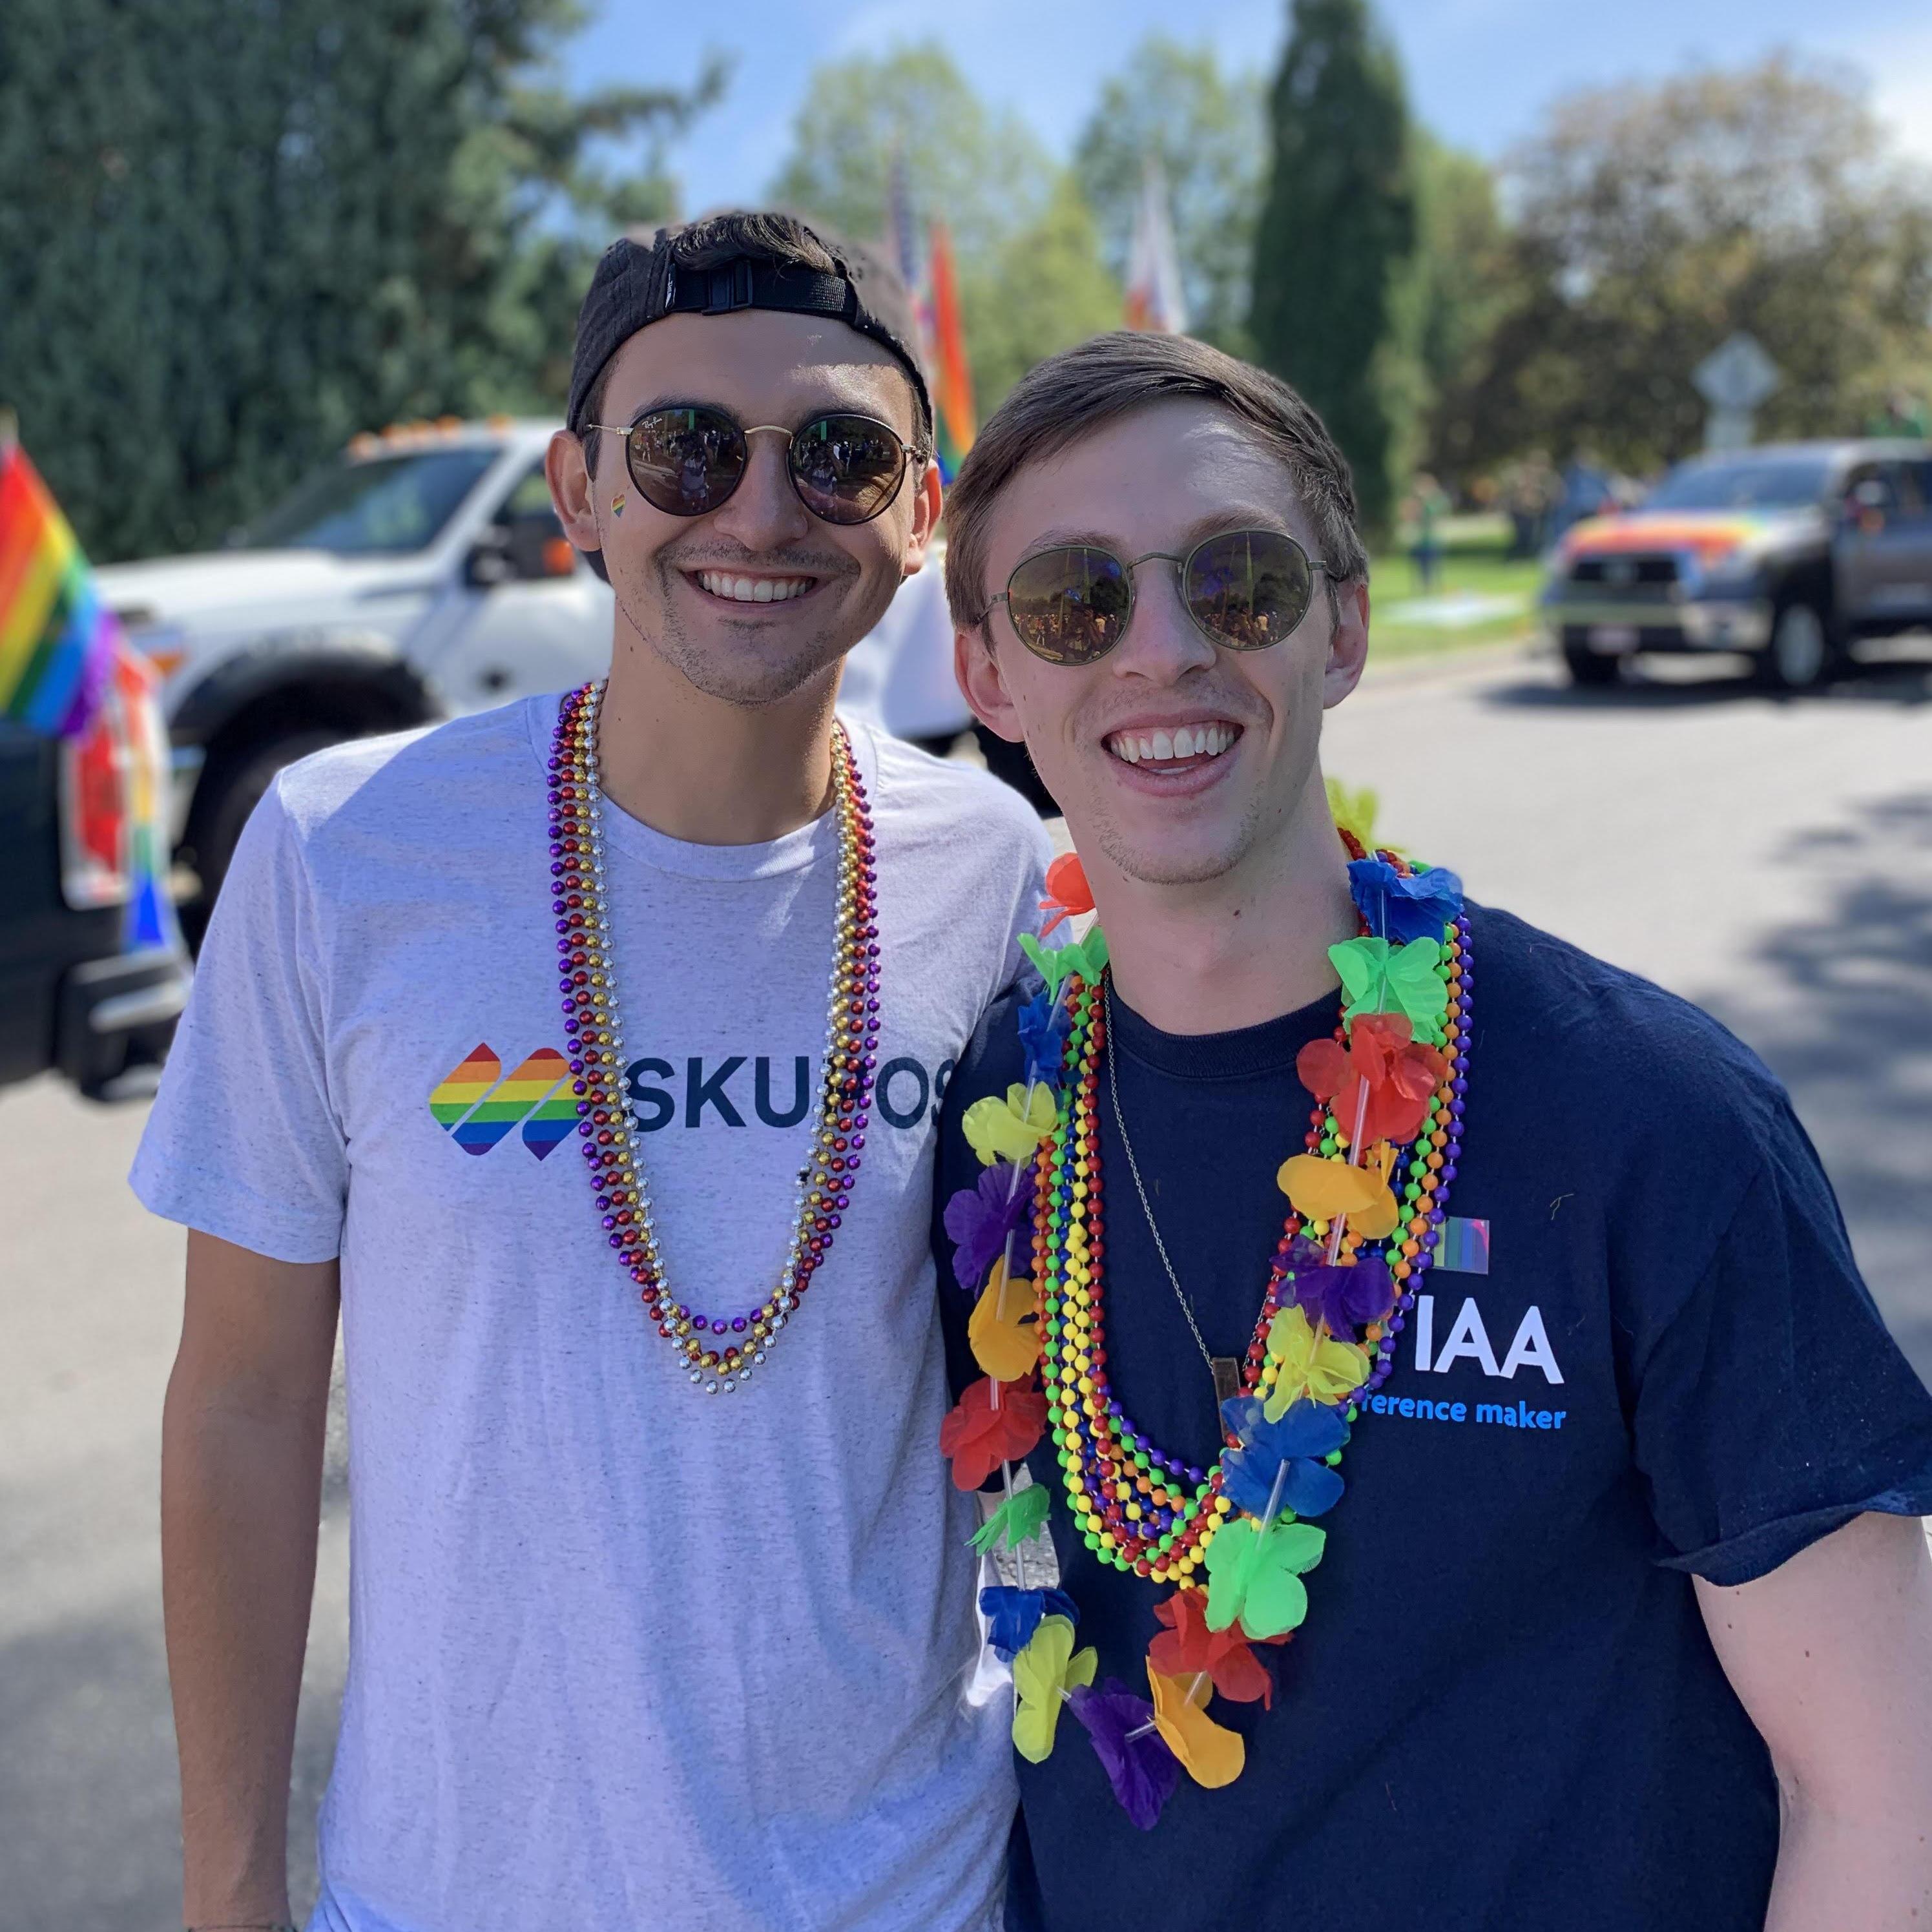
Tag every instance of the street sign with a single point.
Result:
(1734, 378)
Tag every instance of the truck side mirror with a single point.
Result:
(1866, 504)
(488, 563)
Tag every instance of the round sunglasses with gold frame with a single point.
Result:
(688, 459)
(1246, 590)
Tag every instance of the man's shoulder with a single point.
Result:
(991, 1059)
(926, 799)
(405, 779)
(1586, 1033)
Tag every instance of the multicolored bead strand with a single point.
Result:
(1136, 1508)
(593, 1022)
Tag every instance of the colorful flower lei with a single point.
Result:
(1367, 1197)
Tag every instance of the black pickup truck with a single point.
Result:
(86, 987)
(1787, 552)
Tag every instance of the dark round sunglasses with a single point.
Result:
(1246, 589)
(687, 461)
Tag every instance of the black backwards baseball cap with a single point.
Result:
(725, 263)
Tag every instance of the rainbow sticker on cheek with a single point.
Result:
(617, 504)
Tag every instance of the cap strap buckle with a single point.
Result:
(730, 287)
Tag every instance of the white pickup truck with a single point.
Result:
(421, 575)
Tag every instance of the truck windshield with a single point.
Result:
(382, 506)
(1768, 483)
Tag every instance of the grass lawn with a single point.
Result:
(1480, 597)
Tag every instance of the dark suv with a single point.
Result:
(1787, 552)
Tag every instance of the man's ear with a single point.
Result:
(1347, 641)
(570, 490)
(983, 687)
(925, 517)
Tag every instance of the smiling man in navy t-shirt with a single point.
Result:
(1619, 1615)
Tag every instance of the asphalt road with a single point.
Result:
(1772, 860)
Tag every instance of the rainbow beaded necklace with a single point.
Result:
(1367, 1199)
(720, 1352)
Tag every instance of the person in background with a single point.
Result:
(1426, 504)
(586, 1053)
(1529, 495)
(1585, 489)
(1478, 1490)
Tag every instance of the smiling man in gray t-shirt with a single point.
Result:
(587, 1054)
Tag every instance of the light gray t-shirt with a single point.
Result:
(623, 1655)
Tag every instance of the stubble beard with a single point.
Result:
(1151, 867)
(751, 675)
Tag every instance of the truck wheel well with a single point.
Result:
(356, 707)
(1808, 582)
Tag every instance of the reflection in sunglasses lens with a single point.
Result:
(1251, 588)
(685, 461)
(846, 469)
(1069, 606)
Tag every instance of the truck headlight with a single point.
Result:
(1735, 570)
(164, 646)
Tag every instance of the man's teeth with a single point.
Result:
(1185, 741)
(754, 589)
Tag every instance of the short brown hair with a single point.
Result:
(1069, 396)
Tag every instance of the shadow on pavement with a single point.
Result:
(1851, 1038)
(1904, 682)
(91, 1838)
(87, 1781)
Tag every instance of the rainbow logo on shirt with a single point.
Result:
(477, 1109)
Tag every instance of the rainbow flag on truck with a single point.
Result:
(57, 639)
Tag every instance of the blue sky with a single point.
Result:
(1480, 71)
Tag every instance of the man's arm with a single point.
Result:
(1832, 1655)
(242, 1442)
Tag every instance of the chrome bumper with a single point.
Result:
(1702, 624)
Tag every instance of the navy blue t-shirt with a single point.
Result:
(1502, 1710)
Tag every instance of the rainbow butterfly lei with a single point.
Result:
(1366, 1199)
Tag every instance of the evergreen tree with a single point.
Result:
(231, 236)
(1334, 307)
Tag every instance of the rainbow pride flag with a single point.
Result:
(952, 380)
(57, 639)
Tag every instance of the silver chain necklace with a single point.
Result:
(1224, 1369)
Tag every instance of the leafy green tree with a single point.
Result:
(1462, 287)
(1045, 289)
(1206, 128)
(984, 173)
(1654, 221)
(1031, 279)
(1334, 305)
(231, 237)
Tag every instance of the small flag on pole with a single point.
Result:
(1156, 300)
(905, 245)
(902, 244)
(952, 381)
(57, 639)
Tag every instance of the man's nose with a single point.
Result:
(764, 513)
(1162, 642)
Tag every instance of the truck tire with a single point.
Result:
(1588, 667)
(221, 813)
(1799, 655)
